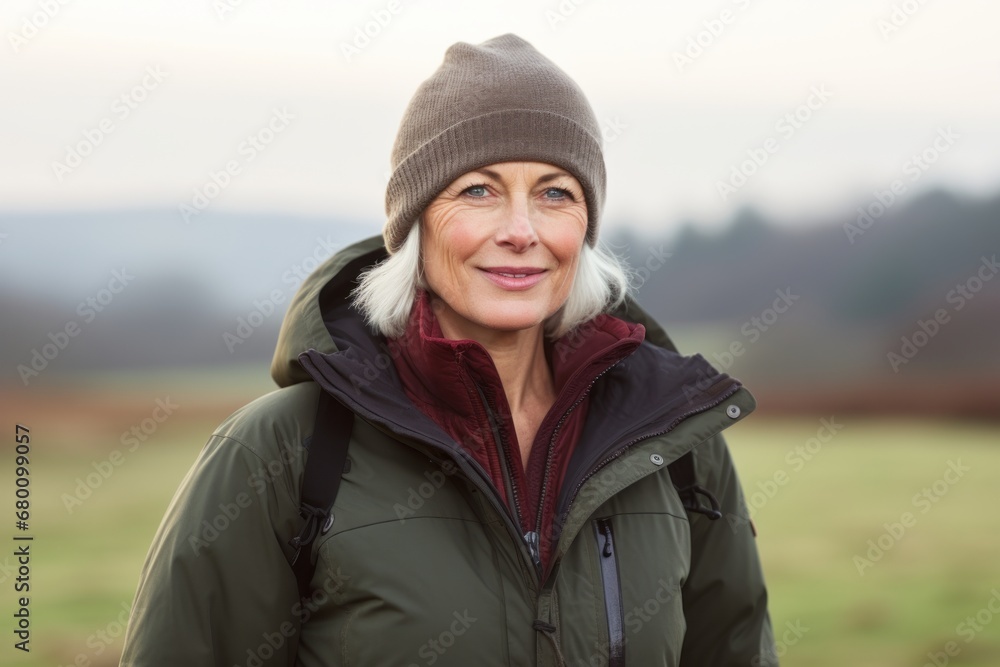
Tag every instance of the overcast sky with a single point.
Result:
(160, 94)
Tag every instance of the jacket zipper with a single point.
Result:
(608, 561)
(548, 456)
(530, 539)
(480, 479)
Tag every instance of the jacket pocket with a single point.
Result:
(608, 562)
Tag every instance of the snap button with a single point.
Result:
(656, 459)
(328, 524)
(733, 411)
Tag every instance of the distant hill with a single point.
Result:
(189, 284)
(856, 302)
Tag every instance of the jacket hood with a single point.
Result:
(326, 293)
(303, 327)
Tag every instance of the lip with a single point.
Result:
(514, 278)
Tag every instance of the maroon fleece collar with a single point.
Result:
(437, 370)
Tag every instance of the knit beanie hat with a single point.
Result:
(493, 102)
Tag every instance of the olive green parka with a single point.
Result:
(422, 564)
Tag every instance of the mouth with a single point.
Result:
(514, 278)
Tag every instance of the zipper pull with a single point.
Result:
(531, 537)
(608, 545)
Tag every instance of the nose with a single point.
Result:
(517, 229)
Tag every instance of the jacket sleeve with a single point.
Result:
(724, 597)
(216, 587)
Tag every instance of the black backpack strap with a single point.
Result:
(325, 465)
(682, 475)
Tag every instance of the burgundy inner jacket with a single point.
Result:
(455, 383)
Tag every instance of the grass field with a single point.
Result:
(813, 517)
(943, 568)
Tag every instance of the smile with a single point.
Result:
(514, 278)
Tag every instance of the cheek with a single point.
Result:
(565, 242)
(462, 239)
(447, 247)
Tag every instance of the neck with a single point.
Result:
(519, 357)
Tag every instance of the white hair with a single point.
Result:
(386, 291)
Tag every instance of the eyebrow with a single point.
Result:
(543, 179)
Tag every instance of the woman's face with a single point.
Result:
(500, 247)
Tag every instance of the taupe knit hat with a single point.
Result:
(493, 102)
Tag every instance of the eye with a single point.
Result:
(477, 191)
(559, 193)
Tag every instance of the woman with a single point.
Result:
(509, 498)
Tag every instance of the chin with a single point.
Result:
(513, 317)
